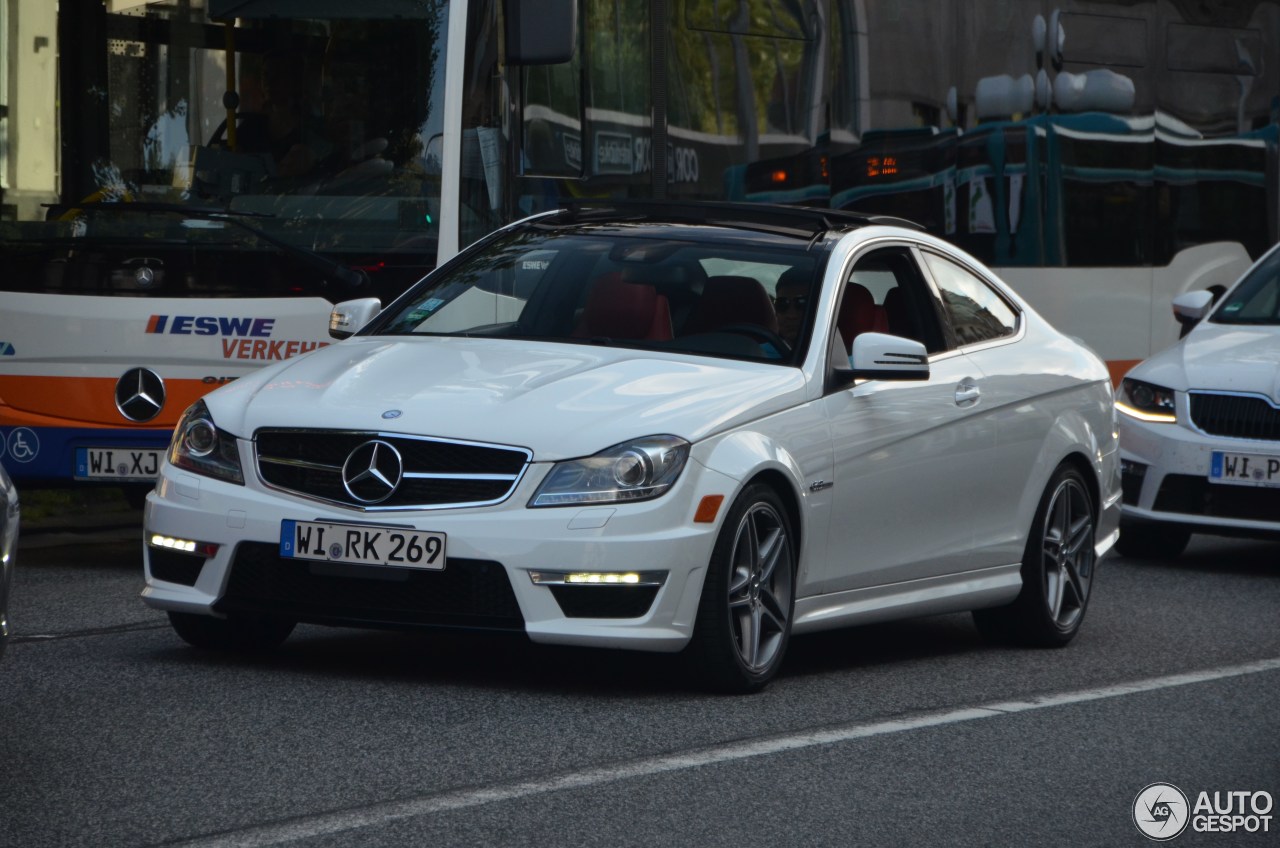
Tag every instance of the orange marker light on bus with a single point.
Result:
(708, 509)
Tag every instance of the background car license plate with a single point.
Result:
(1245, 469)
(361, 544)
(118, 463)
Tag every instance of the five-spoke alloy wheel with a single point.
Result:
(744, 619)
(1057, 568)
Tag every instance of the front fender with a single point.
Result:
(1091, 436)
(801, 473)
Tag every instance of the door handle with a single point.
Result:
(967, 393)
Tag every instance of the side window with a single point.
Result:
(885, 293)
(975, 312)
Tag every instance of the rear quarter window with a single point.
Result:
(975, 312)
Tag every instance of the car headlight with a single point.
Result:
(1146, 401)
(633, 471)
(198, 445)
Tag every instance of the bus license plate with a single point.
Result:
(361, 544)
(118, 463)
(1245, 469)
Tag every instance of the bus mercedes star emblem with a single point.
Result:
(140, 394)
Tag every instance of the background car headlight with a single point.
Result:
(1146, 401)
(198, 445)
(633, 471)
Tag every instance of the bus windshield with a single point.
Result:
(322, 131)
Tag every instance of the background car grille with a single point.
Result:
(309, 462)
(467, 593)
(1236, 416)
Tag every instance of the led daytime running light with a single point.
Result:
(1153, 417)
(629, 577)
(186, 546)
(598, 578)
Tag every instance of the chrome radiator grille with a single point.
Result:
(1235, 416)
(381, 471)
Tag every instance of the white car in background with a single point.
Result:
(594, 427)
(1200, 422)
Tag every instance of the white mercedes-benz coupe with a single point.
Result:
(675, 427)
(1200, 422)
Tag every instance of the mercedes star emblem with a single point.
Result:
(140, 394)
(372, 472)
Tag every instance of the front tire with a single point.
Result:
(748, 599)
(1057, 569)
(241, 635)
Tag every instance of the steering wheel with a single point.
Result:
(760, 334)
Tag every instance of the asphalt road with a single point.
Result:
(112, 732)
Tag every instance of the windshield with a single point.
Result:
(732, 299)
(324, 129)
(1256, 300)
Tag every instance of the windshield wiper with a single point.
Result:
(352, 278)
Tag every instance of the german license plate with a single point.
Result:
(361, 544)
(118, 463)
(1245, 469)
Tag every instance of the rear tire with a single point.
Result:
(1152, 541)
(748, 598)
(241, 635)
(1057, 569)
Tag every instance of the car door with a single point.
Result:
(912, 458)
(988, 329)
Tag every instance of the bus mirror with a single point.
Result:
(1190, 307)
(350, 315)
(541, 32)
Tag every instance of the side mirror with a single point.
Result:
(1189, 308)
(541, 32)
(879, 356)
(350, 315)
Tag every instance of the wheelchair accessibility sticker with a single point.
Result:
(22, 444)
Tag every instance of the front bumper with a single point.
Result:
(1165, 480)
(486, 581)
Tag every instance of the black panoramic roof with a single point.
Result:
(798, 221)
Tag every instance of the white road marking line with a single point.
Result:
(375, 815)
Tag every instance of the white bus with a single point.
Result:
(187, 186)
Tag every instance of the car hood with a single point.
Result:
(559, 400)
(1220, 357)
